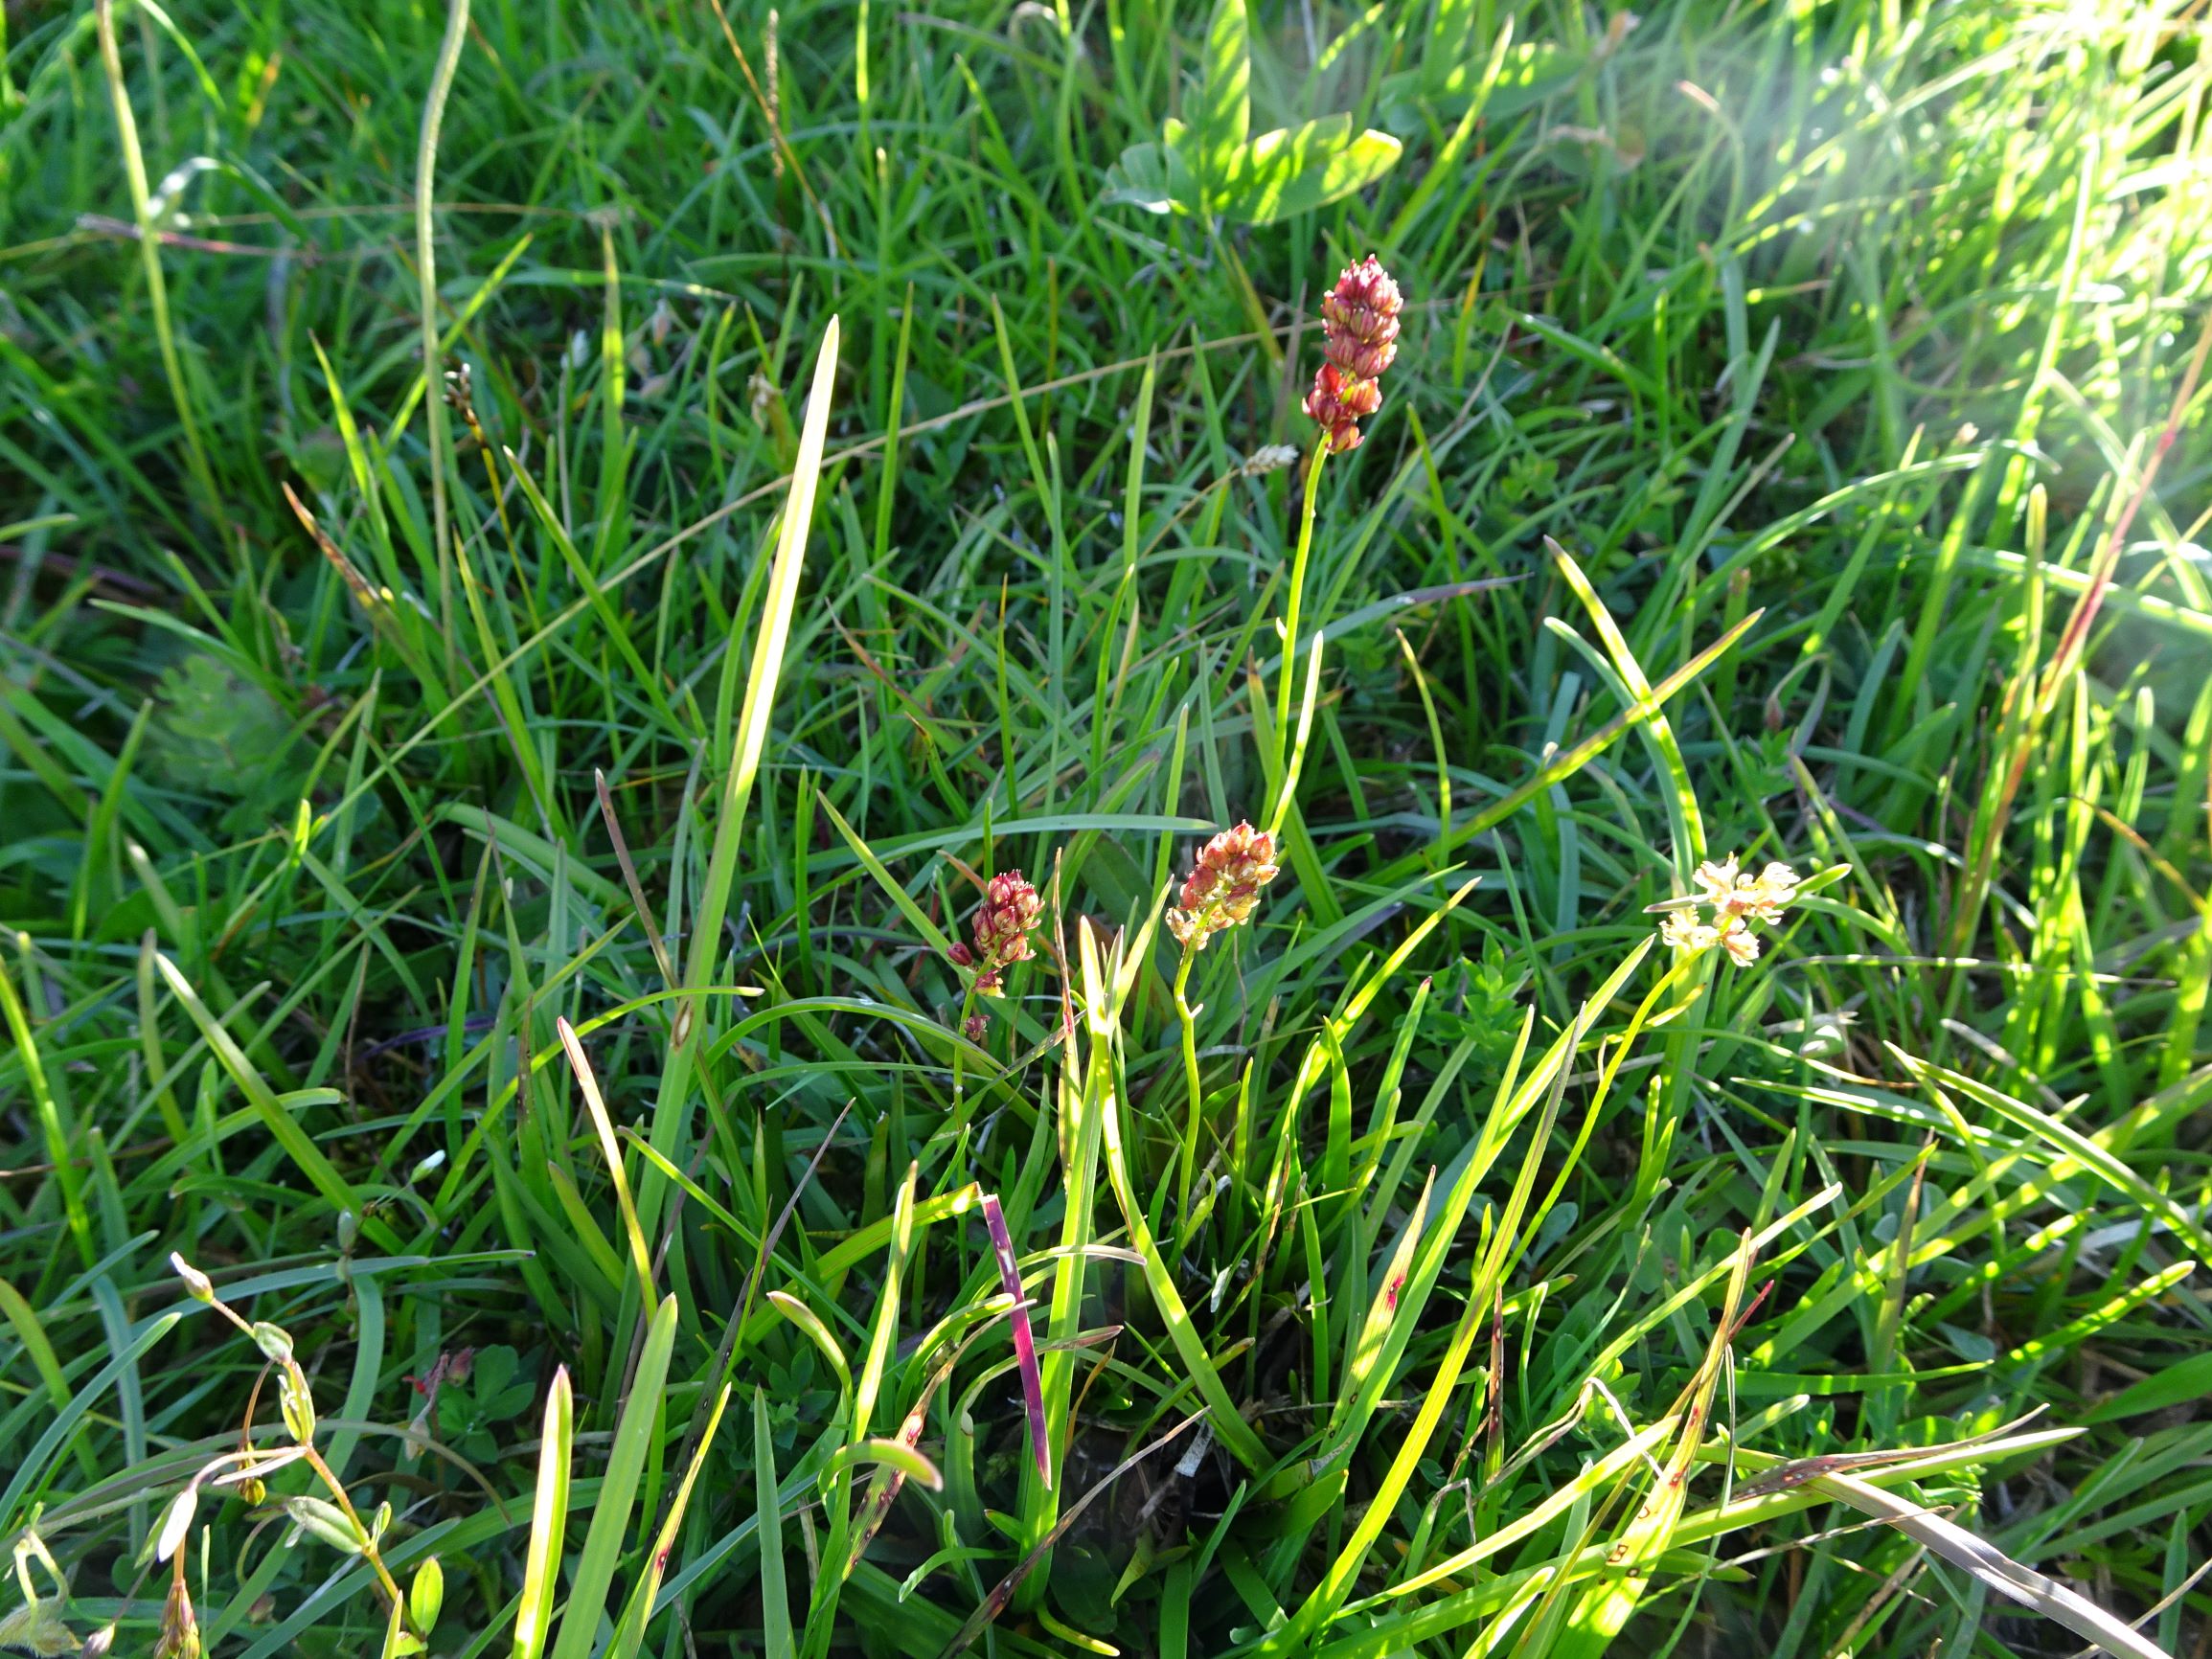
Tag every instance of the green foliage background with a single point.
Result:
(1847, 335)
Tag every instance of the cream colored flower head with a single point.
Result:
(1732, 893)
(1716, 881)
(1735, 900)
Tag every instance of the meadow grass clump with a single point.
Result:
(780, 877)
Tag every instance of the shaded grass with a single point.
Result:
(1841, 336)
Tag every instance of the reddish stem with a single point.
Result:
(1024, 1339)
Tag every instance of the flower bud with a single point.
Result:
(1359, 320)
(176, 1523)
(1224, 887)
(179, 1634)
(196, 1284)
(296, 1405)
(1001, 926)
(1324, 403)
(326, 1520)
(425, 1595)
(1010, 909)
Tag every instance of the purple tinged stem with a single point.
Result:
(1024, 1340)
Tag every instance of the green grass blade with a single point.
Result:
(670, 1112)
(548, 1522)
(609, 1533)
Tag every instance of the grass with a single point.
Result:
(479, 861)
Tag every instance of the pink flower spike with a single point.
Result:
(1024, 1339)
(1358, 341)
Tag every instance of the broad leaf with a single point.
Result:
(1222, 115)
(1144, 178)
(1448, 80)
(1210, 165)
(1295, 169)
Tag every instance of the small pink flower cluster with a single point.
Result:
(1002, 925)
(1359, 339)
(1222, 891)
(1223, 885)
(1736, 900)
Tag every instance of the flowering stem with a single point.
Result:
(959, 1063)
(1297, 596)
(1242, 1442)
(1191, 1076)
(369, 1549)
(1660, 1113)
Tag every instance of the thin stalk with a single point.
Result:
(149, 253)
(1658, 1120)
(1296, 600)
(368, 1552)
(961, 1109)
(1229, 1426)
(426, 267)
(1190, 1152)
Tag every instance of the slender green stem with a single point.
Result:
(1228, 1425)
(1190, 1155)
(426, 269)
(1658, 1119)
(150, 255)
(960, 1108)
(368, 1552)
(1289, 672)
